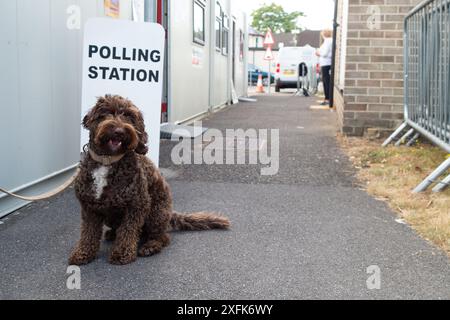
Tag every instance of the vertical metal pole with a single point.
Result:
(245, 53)
(212, 49)
(230, 81)
(405, 63)
(333, 61)
(268, 78)
(150, 10)
(416, 106)
(435, 64)
(446, 34)
(440, 69)
(446, 72)
(159, 11)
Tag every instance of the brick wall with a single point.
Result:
(372, 95)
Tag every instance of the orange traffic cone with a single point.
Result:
(259, 85)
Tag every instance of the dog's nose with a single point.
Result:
(119, 131)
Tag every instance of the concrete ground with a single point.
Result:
(308, 232)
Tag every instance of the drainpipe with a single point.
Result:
(333, 62)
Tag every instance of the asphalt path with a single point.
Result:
(308, 232)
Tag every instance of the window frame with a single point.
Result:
(219, 22)
(202, 5)
(225, 31)
(241, 45)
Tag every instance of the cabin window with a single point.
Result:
(225, 32)
(241, 45)
(218, 27)
(199, 22)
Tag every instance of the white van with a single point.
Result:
(289, 59)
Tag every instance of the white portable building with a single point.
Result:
(40, 78)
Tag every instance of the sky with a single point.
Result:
(319, 13)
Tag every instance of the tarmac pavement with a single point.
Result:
(308, 232)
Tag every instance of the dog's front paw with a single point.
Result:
(79, 257)
(150, 248)
(122, 257)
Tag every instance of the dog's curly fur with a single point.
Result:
(130, 196)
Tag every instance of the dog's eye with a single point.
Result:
(103, 113)
(129, 115)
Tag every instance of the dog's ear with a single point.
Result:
(92, 114)
(141, 147)
(143, 137)
(87, 120)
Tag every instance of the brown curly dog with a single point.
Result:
(118, 186)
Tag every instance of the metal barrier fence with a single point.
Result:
(307, 81)
(427, 82)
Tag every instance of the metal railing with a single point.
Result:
(307, 81)
(427, 82)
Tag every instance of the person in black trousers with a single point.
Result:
(325, 53)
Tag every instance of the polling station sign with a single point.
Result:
(125, 58)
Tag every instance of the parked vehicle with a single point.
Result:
(289, 59)
(253, 73)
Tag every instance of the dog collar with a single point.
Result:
(105, 160)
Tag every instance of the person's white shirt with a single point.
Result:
(325, 52)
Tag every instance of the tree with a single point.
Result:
(274, 17)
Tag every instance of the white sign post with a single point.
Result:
(125, 58)
(269, 57)
(268, 41)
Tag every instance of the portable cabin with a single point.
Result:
(40, 78)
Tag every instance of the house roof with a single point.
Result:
(253, 32)
(307, 37)
(311, 37)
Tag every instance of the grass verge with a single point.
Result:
(390, 174)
